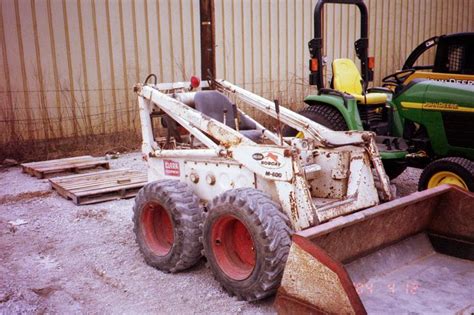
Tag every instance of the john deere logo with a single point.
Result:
(272, 160)
(440, 106)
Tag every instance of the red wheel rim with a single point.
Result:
(157, 228)
(233, 247)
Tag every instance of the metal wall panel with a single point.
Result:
(68, 66)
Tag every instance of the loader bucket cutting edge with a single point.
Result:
(413, 254)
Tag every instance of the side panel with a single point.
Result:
(207, 178)
(449, 112)
(446, 110)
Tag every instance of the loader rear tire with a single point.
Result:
(246, 242)
(451, 170)
(325, 115)
(167, 224)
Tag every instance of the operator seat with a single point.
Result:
(347, 79)
(213, 103)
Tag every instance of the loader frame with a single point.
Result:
(347, 185)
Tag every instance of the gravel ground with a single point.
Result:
(62, 258)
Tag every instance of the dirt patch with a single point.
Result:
(24, 196)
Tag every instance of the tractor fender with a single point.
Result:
(347, 109)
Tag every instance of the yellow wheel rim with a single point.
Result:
(446, 177)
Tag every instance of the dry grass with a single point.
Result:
(25, 151)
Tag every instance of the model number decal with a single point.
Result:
(273, 174)
(171, 168)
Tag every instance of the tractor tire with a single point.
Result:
(246, 239)
(394, 167)
(325, 115)
(167, 224)
(451, 170)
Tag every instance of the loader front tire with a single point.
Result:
(246, 242)
(167, 224)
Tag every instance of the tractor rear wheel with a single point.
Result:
(246, 242)
(325, 115)
(167, 219)
(452, 170)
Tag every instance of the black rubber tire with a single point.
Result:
(462, 167)
(270, 232)
(323, 114)
(394, 167)
(185, 213)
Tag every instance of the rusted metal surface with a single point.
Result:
(346, 238)
(313, 281)
(341, 164)
(384, 249)
(178, 111)
(458, 222)
(377, 163)
(320, 135)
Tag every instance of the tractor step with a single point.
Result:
(100, 186)
(73, 164)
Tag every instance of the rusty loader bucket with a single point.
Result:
(414, 254)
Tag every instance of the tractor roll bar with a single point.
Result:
(361, 45)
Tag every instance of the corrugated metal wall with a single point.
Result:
(68, 67)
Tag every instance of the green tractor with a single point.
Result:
(419, 122)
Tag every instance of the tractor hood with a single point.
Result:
(437, 96)
(449, 96)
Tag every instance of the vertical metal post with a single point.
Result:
(208, 39)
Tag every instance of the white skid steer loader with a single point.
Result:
(224, 186)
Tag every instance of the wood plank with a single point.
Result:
(73, 164)
(89, 175)
(103, 198)
(107, 189)
(52, 162)
(63, 192)
(70, 183)
(80, 165)
(99, 186)
(104, 182)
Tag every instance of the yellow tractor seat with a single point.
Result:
(347, 79)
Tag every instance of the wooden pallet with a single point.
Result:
(99, 186)
(42, 168)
